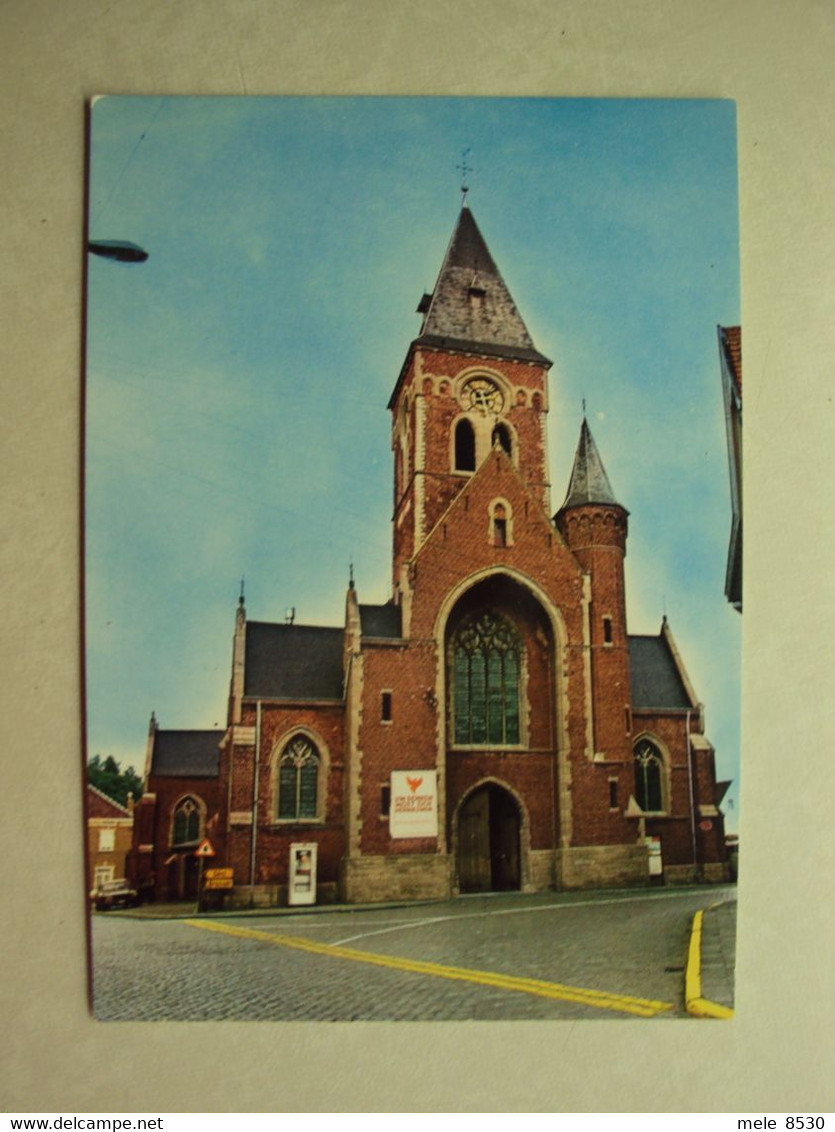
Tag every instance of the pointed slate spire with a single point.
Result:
(589, 482)
(471, 307)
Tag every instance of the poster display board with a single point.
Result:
(414, 803)
(656, 863)
(302, 873)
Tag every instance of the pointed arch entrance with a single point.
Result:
(489, 842)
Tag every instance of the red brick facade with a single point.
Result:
(543, 791)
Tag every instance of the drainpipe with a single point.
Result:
(692, 799)
(253, 839)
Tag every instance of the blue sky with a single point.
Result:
(237, 380)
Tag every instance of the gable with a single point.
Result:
(99, 805)
(495, 481)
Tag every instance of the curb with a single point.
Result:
(696, 1005)
(188, 912)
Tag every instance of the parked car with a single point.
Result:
(114, 894)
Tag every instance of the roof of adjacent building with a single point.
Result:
(380, 620)
(654, 674)
(732, 340)
(589, 482)
(293, 662)
(186, 754)
(471, 307)
(100, 805)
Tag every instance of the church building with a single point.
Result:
(493, 726)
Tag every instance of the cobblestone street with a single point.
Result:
(497, 957)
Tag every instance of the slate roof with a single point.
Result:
(655, 678)
(380, 620)
(186, 754)
(471, 308)
(293, 662)
(589, 482)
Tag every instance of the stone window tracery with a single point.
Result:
(298, 780)
(649, 777)
(186, 825)
(485, 678)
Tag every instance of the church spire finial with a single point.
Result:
(465, 170)
(241, 598)
(351, 575)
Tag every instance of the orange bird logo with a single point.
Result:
(413, 783)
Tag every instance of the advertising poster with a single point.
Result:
(414, 803)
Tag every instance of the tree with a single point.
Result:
(116, 783)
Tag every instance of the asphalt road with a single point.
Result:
(549, 955)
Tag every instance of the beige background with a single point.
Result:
(776, 60)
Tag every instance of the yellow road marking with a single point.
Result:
(626, 1004)
(696, 1005)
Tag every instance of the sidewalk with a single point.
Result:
(715, 966)
(187, 910)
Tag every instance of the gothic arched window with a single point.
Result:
(298, 780)
(186, 826)
(485, 678)
(464, 446)
(501, 436)
(649, 777)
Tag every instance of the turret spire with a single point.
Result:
(589, 482)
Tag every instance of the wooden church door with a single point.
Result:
(488, 842)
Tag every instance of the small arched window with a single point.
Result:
(499, 526)
(186, 827)
(298, 780)
(501, 436)
(649, 777)
(485, 678)
(464, 446)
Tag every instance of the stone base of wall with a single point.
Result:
(372, 880)
(680, 874)
(540, 871)
(273, 896)
(716, 872)
(602, 866)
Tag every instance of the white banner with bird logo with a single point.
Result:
(414, 803)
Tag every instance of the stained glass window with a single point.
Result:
(298, 780)
(186, 823)
(649, 770)
(485, 677)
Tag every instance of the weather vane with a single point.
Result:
(465, 171)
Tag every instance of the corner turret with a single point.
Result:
(594, 525)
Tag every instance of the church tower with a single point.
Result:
(471, 380)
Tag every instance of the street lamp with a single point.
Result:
(122, 250)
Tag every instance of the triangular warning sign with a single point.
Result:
(204, 849)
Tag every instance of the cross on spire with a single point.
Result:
(465, 170)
